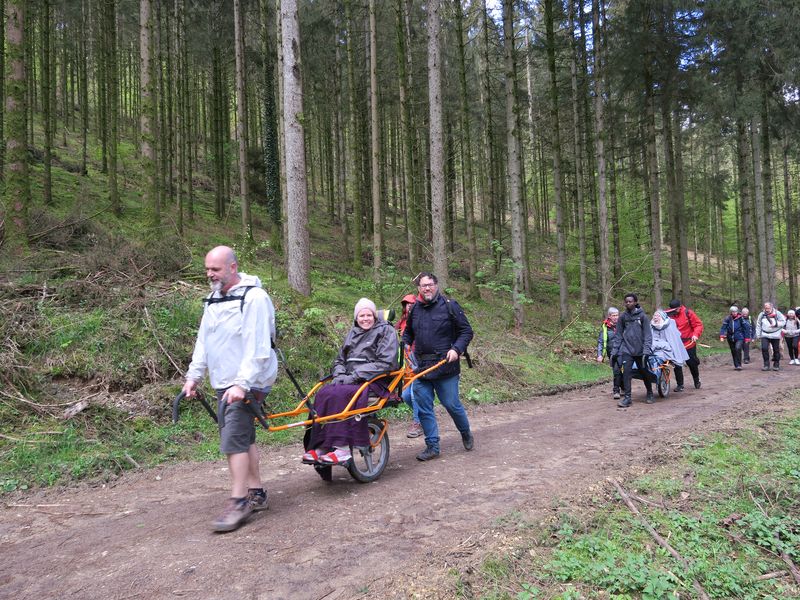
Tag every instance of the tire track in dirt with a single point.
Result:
(148, 535)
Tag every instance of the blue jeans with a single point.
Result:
(447, 391)
(408, 398)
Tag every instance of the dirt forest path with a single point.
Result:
(148, 535)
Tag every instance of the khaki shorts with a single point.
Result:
(237, 429)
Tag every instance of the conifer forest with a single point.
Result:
(473, 137)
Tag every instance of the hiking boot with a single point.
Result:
(649, 399)
(678, 388)
(747, 362)
(469, 441)
(697, 384)
(233, 515)
(257, 501)
(616, 395)
(427, 454)
(625, 402)
(765, 368)
(415, 430)
(776, 368)
(737, 368)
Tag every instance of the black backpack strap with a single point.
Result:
(211, 300)
(453, 322)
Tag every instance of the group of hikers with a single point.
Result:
(631, 341)
(234, 347)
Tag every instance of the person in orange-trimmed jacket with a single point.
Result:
(415, 430)
(691, 328)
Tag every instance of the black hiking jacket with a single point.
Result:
(433, 329)
(633, 329)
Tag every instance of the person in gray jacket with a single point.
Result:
(635, 341)
(607, 344)
(791, 335)
(370, 349)
(769, 327)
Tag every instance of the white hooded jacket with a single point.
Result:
(770, 326)
(234, 343)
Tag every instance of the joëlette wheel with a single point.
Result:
(369, 462)
(664, 383)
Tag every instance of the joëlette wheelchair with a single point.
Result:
(367, 462)
(662, 377)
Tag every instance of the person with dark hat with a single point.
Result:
(691, 328)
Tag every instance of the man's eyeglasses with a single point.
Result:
(427, 285)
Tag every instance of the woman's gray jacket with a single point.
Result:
(366, 353)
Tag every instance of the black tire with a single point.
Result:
(664, 382)
(369, 462)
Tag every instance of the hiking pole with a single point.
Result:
(282, 359)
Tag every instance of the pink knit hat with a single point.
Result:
(362, 304)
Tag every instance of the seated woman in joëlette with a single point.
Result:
(370, 349)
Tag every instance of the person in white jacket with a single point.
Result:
(234, 345)
(769, 325)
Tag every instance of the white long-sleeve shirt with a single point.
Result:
(234, 340)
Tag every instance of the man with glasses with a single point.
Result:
(438, 329)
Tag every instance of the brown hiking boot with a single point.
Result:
(233, 515)
(415, 430)
(257, 501)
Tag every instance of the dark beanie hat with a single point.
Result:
(674, 303)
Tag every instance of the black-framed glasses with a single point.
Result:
(427, 285)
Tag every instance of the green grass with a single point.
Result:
(731, 507)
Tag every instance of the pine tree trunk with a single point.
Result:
(146, 117)
(578, 156)
(533, 172)
(113, 103)
(466, 156)
(436, 143)
(745, 170)
(341, 153)
(491, 192)
(513, 165)
(652, 168)
(669, 177)
(17, 183)
(600, 136)
(760, 216)
(2, 89)
(241, 119)
(407, 139)
(768, 196)
(556, 145)
(680, 213)
(84, 85)
(354, 156)
(375, 150)
(45, 26)
(298, 245)
(790, 220)
(272, 175)
(176, 77)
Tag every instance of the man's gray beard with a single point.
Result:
(216, 286)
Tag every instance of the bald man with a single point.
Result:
(234, 347)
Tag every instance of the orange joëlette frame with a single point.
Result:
(405, 375)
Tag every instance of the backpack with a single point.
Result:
(211, 300)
